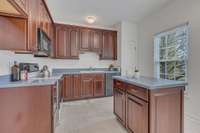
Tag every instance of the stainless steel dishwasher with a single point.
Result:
(109, 83)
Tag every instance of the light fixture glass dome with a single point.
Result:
(91, 19)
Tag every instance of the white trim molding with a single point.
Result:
(192, 123)
(193, 118)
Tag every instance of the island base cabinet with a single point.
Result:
(166, 111)
(119, 105)
(151, 111)
(136, 115)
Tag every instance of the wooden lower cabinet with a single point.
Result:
(150, 111)
(119, 104)
(136, 115)
(166, 111)
(27, 109)
(76, 86)
(67, 88)
(99, 85)
(71, 89)
(80, 86)
(87, 85)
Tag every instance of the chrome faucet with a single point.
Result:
(91, 68)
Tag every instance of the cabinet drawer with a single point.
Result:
(118, 84)
(99, 76)
(138, 91)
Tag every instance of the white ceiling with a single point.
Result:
(108, 12)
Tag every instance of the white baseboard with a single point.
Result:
(193, 118)
(192, 123)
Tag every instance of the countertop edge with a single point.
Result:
(148, 86)
(46, 82)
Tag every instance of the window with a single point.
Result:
(171, 54)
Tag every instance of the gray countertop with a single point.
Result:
(82, 71)
(6, 83)
(151, 83)
(56, 75)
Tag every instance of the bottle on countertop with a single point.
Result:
(15, 72)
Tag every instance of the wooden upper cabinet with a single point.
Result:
(20, 19)
(41, 15)
(99, 85)
(13, 34)
(96, 40)
(23, 4)
(62, 42)
(90, 40)
(109, 48)
(33, 24)
(38, 18)
(83, 39)
(85, 35)
(67, 42)
(15, 8)
(74, 43)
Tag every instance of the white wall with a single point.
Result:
(178, 12)
(86, 60)
(128, 40)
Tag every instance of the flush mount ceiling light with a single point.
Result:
(90, 19)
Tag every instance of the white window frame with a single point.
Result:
(157, 49)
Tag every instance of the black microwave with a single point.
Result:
(44, 44)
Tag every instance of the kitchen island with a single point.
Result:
(149, 105)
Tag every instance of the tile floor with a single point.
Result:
(89, 116)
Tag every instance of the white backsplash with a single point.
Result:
(86, 60)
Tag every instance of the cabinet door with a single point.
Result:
(87, 85)
(96, 40)
(119, 104)
(13, 34)
(26, 110)
(109, 45)
(137, 115)
(74, 43)
(40, 15)
(67, 89)
(85, 39)
(76, 86)
(62, 43)
(99, 85)
(33, 23)
(166, 110)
